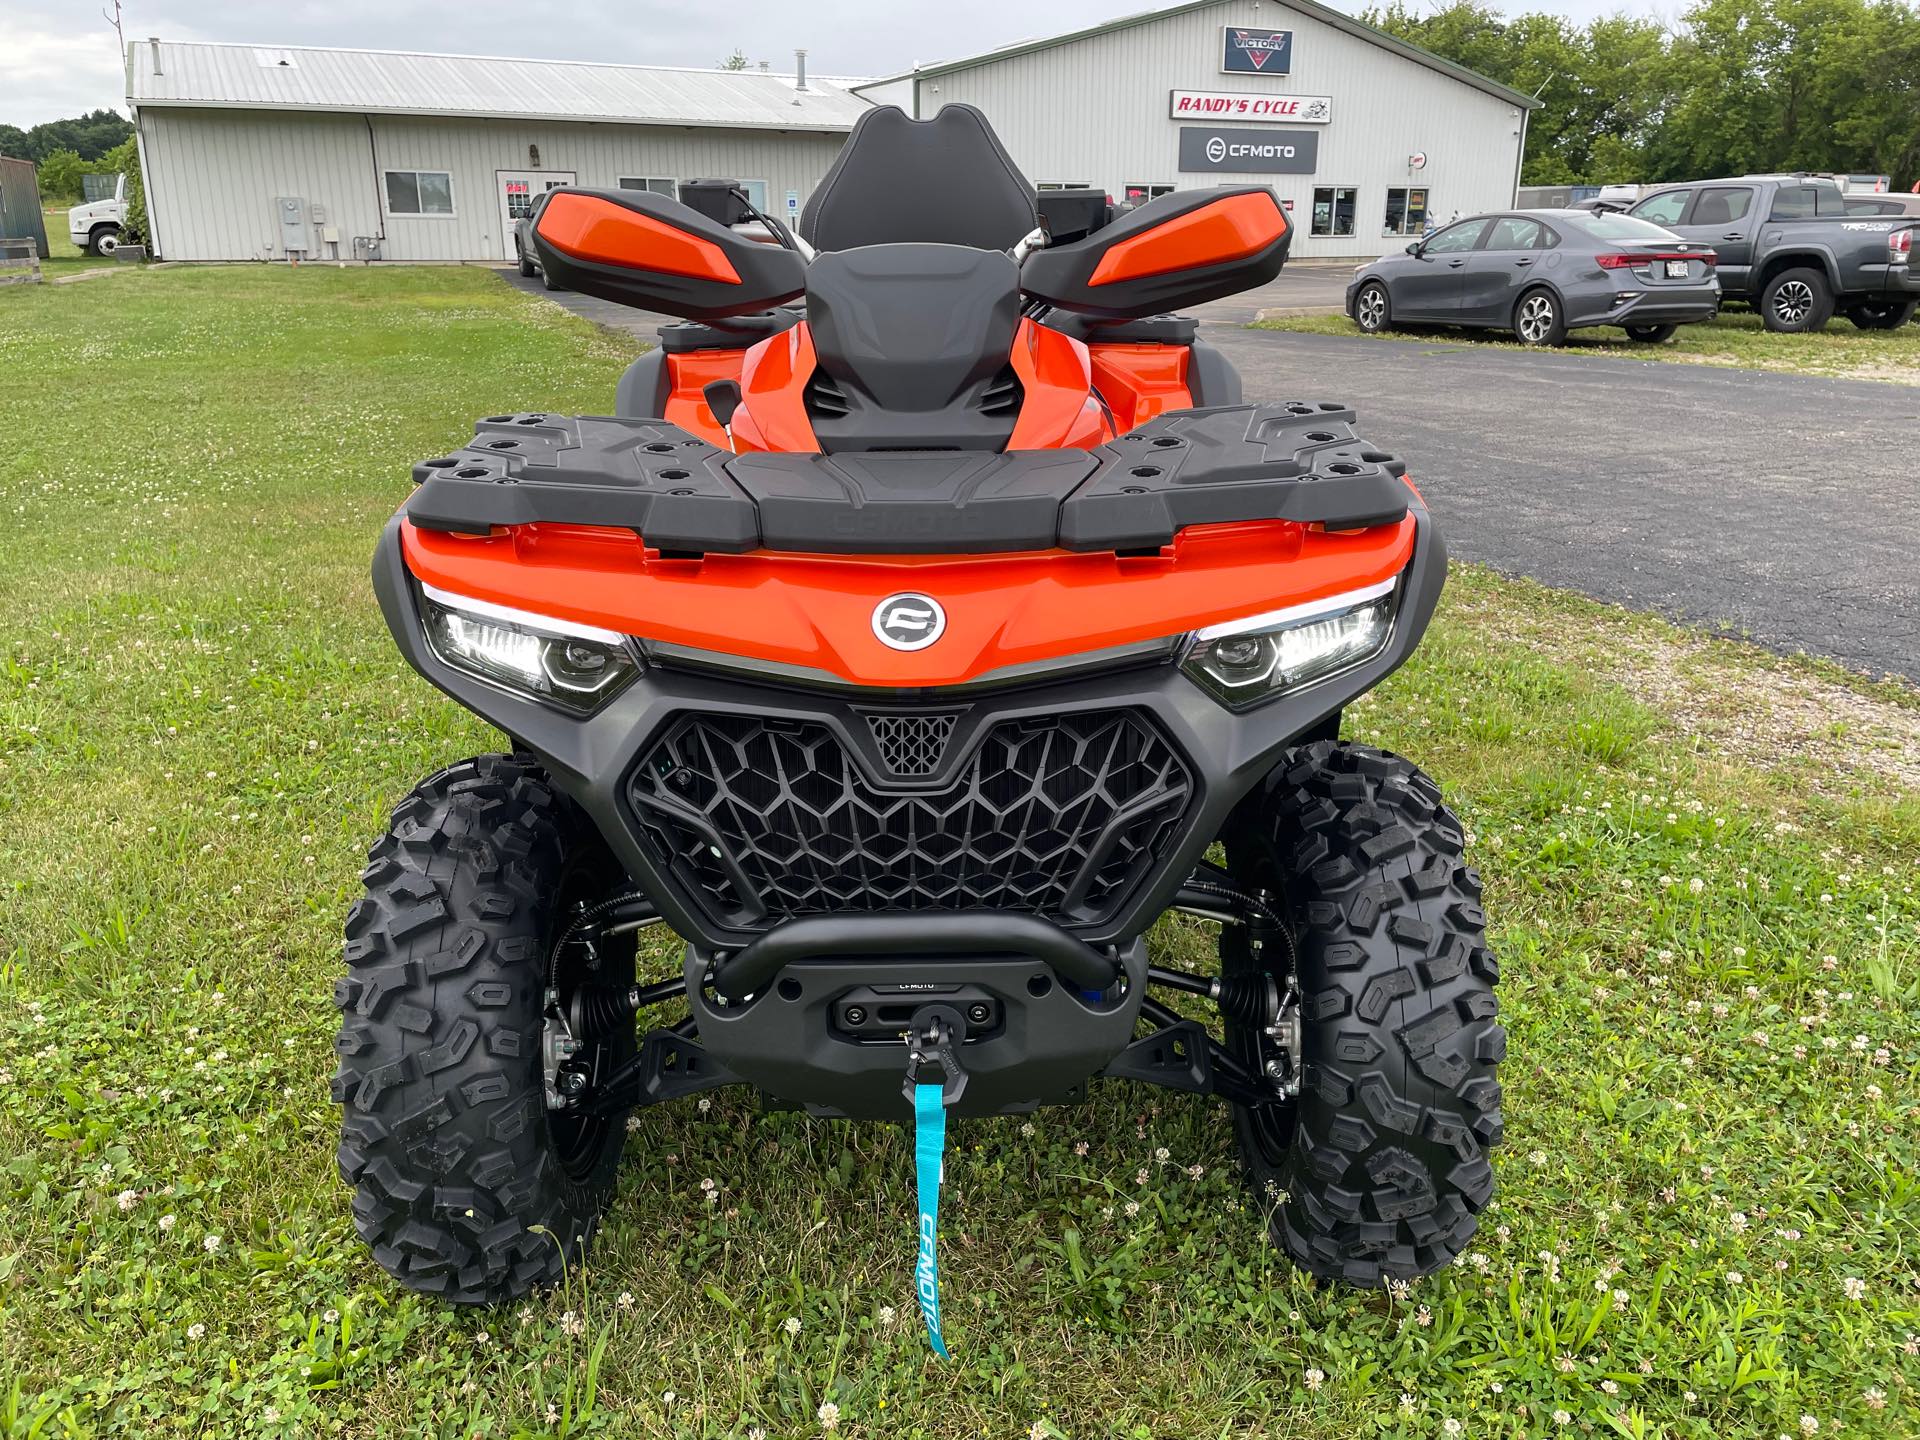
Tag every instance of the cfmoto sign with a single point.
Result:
(1269, 152)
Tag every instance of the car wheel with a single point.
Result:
(1881, 314)
(527, 269)
(1795, 302)
(103, 241)
(1651, 334)
(1537, 319)
(1372, 309)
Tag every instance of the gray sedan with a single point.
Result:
(1541, 273)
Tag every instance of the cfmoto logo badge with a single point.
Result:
(909, 621)
(1216, 149)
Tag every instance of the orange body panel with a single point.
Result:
(689, 375)
(1059, 411)
(1228, 229)
(589, 228)
(816, 611)
(1139, 382)
(773, 379)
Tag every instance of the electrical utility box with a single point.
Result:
(296, 236)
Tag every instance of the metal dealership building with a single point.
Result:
(254, 153)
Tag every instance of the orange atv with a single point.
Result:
(932, 618)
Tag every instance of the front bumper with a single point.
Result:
(596, 760)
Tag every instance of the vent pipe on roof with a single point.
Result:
(799, 69)
(154, 41)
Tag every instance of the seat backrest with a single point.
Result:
(944, 181)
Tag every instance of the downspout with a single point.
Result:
(379, 200)
(1520, 158)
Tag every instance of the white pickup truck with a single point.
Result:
(97, 226)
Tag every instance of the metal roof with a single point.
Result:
(1324, 14)
(286, 77)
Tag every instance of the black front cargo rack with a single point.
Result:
(1291, 461)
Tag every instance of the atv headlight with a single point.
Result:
(1245, 662)
(578, 667)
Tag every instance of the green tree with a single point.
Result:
(13, 142)
(125, 158)
(1739, 85)
(736, 61)
(60, 175)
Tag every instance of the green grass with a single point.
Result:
(203, 723)
(63, 256)
(1735, 338)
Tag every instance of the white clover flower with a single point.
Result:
(1809, 1425)
(625, 1302)
(1612, 1387)
(1132, 1208)
(1561, 1417)
(196, 1330)
(127, 1199)
(1854, 1287)
(210, 1244)
(667, 1397)
(1876, 1398)
(887, 1314)
(1734, 1277)
(1452, 1426)
(1080, 1147)
(792, 1325)
(1314, 1378)
(828, 1415)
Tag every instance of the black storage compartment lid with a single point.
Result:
(718, 200)
(1073, 214)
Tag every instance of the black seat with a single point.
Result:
(944, 181)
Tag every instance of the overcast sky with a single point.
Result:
(61, 57)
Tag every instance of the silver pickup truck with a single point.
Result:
(1788, 247)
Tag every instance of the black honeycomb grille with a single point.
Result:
(760, 819)
(911, 744)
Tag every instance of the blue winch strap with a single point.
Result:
(929, 1158)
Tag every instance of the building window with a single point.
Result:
(1406, 211)
(655, 184)
(419, 192)
(1333, 208)
(1063, 185)
(1139, 191)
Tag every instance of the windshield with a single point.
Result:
(1623, 227)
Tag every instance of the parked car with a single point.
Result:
(1789, 246)
(524, 253)
(98, 226)
(1541, 273)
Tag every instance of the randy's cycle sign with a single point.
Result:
(1267, 152)
(1256, 52)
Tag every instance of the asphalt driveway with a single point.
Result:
(1781, 507)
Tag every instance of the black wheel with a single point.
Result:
(1795, 302)
(1372, 308)
(1651, 334)
(467, 1184)
(548, 281)
(527, 268)
(1881, 314)
(1539, 320)
(104, 240)
(1380, 1168)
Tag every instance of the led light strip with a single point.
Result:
(525, 618)
(1306, 611)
